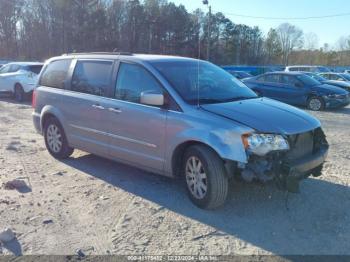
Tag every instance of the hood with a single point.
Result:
(338, 83)
(266, 115)
(329, 89)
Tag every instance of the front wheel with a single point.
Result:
(315, 103)
(55, 139)
(19, 93)
(205, 177)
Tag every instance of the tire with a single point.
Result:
(317, 172)
(315, 103)
(215, 181)
(55, 139)
(18, 93)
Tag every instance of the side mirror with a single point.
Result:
(152, 99)
(299, 85)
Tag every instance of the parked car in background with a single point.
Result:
(240, 74)
(336, 76)
(253, 70)
(306, 68)
(19, 78)
(203, 125)
(341, 84)
(298, 89)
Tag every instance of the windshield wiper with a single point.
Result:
(218, 101)
(205, 101)
(238, 98)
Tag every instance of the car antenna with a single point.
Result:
(199, 56)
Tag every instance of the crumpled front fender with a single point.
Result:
(227, 143)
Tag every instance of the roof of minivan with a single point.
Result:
(303, 66)
(25, 63)
(286, 73)
(143, 57)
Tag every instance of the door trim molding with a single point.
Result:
(115, 136)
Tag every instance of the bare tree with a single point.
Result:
(311, 41)
(290, 37)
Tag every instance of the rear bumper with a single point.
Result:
(28, 88)
(37, 122)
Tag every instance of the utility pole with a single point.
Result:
(206, 2)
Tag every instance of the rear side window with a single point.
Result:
(289, 80)
(34, 69)
(55, 74)
(14, 68)
(132, 81)
(92, 77)
(272, 78)
(337, 77)
(307, 69)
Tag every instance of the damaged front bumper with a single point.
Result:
(307, 154)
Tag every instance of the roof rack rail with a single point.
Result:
(101, 53)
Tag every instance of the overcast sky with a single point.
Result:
(329, 30)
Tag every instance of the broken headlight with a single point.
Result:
(261, 144)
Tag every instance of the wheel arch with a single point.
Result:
(17, 84)
(177, 156)
(50, 111)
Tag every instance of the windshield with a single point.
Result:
(322, 69)
(307, 80)
(215, 84)
(316, 77)
(346, 76)
(244, 74)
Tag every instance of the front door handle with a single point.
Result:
(115, 110)
(97, 106)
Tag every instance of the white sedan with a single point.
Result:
(19, 78)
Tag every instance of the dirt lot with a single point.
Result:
(102, 207)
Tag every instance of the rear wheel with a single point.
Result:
(19, 93)
(205, 177)
(315, 103)
(55, 139)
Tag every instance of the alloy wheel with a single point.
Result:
(196, 178)
(315, 104)
(54, 138)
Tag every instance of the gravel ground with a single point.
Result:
(102, 207)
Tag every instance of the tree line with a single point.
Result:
(39, 29)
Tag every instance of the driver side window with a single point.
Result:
(133, 80)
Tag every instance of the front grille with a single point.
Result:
(301, 145)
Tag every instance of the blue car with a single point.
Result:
(298, 89)
(337, 83)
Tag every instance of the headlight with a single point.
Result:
(261, 144)
(334, 96)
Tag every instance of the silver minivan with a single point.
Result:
(178, 117)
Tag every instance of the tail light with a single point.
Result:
(34, 99)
